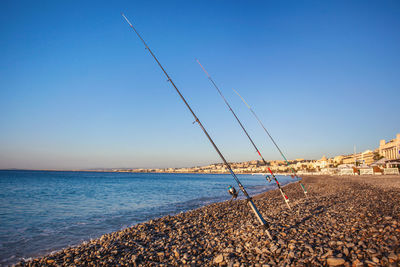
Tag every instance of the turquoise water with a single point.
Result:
(44, 211)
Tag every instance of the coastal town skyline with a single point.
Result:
(83, 93)
(387, 154)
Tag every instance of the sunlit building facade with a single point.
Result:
(391, 149)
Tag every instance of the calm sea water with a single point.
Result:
(44, 211)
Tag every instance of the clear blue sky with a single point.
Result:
(78, 89)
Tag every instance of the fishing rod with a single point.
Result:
(285, 197)
(273, 141)
(248, 198)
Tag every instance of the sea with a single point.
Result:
(45, 211)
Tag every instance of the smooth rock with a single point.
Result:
(392, 257)
(273, 248)
(375, 259)
(219, 258)
(335, 261)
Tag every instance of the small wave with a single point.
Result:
(27, 259)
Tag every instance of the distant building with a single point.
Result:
(348, 159)
(301, 165)
(277, 162)
(391, 149)
(321, 163)
(366, 157)
(338, 159)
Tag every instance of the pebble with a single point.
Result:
(392, 257)
(346, 251)
(219, 259)
(335, 261)
(375, 259)
(274, 248)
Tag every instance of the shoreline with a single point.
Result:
(227, 233)
(60, 235)
(211, 200)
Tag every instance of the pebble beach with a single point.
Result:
(344, 221)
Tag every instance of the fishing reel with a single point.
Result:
(268, 178)
(232, 191)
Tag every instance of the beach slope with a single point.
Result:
(345, 221)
